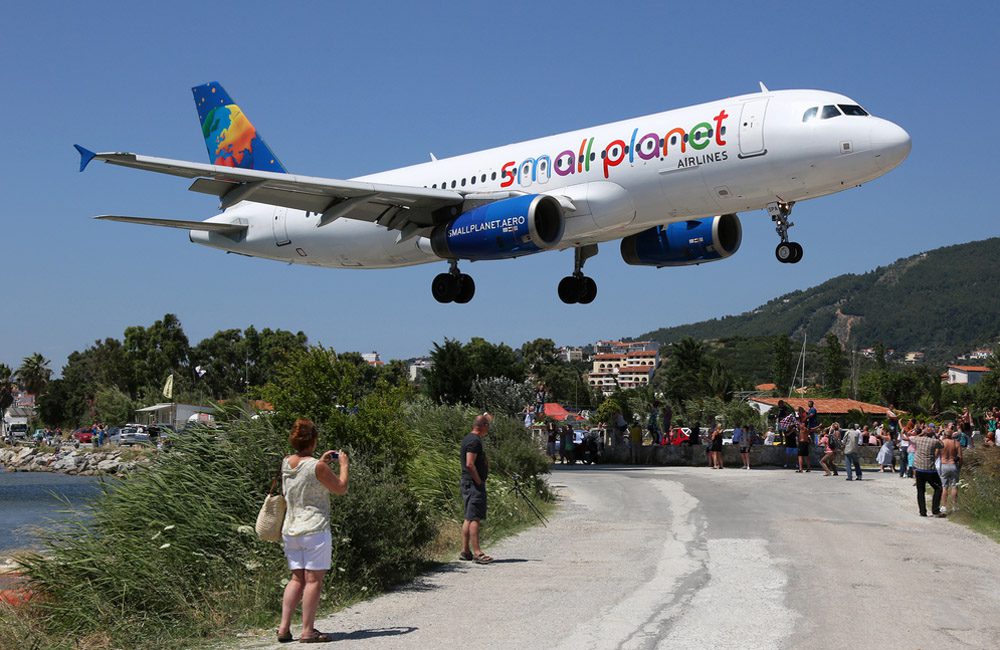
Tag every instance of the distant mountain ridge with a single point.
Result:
(944, 302)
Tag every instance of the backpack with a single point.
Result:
(832, 442)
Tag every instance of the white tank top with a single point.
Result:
(307, 501)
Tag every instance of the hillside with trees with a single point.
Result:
(944, 303)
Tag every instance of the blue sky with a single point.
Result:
(340, 91)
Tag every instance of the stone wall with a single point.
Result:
(68, 460)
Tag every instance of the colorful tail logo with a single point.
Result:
(231, 139)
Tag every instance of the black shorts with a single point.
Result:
(744, 450)
(474, 501)
(803, 449)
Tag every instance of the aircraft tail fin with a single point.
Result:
(231, 139)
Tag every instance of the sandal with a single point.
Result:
(466, 556)
(286, 637)
(319, 637)
(482, 558)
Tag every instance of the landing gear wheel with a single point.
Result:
(578, 288)
(588, 290)
(569, 290)
(787, 252)
(466, 289)
(445, 287)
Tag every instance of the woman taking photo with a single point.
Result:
(307, 484)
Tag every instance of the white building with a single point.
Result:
(632, 369)
(570, 355)
(966, 374)
(419, 367)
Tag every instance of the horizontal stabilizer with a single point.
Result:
(209, 226)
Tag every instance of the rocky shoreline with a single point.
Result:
(70, 460)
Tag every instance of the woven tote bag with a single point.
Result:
(271, 517)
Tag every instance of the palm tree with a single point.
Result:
(7, 386)
(34, 373)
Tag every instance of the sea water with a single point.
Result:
(35, 501)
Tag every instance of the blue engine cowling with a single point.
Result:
(684, 242)
(507, 228)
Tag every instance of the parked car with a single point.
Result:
(132, 434)
(678, 436)
(18, 431)
(84, 435)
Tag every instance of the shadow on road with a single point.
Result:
(359, 635)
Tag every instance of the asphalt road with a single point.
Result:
(689, 557)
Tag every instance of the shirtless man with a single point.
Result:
(951, 462)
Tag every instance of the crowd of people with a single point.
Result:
(571, 445)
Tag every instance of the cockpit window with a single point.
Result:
(852, 109)
(810, 114)
(829, 111)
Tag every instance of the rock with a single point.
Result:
(65, 464)
(109, 465)
(23, 454)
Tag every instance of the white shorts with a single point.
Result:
(313, 552)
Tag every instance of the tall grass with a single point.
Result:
(169, 555)
(979, 491)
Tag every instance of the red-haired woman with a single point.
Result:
(307, 483)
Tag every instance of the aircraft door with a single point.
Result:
(279, 227)
(752, 128)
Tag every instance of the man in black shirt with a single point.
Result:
(475, 469)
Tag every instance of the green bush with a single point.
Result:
(512, 451)
(379, 529)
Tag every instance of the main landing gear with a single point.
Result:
(578, 288)
(787, 252)
(453, 286)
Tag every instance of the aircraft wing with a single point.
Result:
(400, 207)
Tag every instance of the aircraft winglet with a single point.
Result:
(763, 88)
(86, 155)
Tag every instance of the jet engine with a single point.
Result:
(503, 229)
(684, 242)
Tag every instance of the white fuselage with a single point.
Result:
(726, 156)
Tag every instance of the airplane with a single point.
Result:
(668, 185)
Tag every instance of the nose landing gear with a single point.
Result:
(578, 288)
(453, 286)
(787, 252)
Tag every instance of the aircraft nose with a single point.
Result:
(891, 144)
